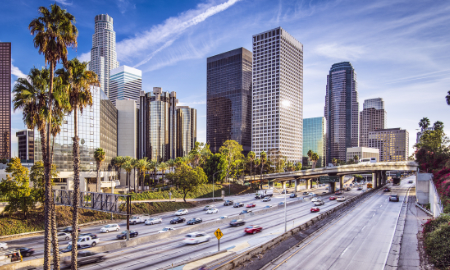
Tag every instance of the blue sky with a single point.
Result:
(399, 49)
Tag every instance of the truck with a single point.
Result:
(87, 241)
(138, 219)
(263, 193)
(369, 185)
(396, 179)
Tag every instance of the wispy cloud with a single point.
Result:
(16, 72)
(342, 52)
(85, 57)
(63, 2)
(161, 36)
(124, 5)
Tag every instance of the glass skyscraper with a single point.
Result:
(372, 117)
(103, 52)
(5, 100)
(125, 83)
(314, 138)
(97, 127)
(186, 130)
(277, 100)
(229, 99)
(341, 111)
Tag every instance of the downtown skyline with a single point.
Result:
(185, 34)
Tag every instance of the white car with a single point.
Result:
(3, 246)
(138, 219)
(319, 202)
(212, 211)
(167, 229)
(196, 237)
(312, 194)
(209, 207)
(110, 228)
(64, 236)
(181, 212)
(315, 199)
(152, 221)
(222, 217)
(340, 199)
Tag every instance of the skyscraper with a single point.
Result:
(277, 104)
(341, 110)
(25, 143)
(372, 117)
(393, 143)
(186, 130)
(125, 83)
(314, 138)
(229, 99)
(103, 52)
(5, 100)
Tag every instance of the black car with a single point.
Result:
(305, 193)
(238, 204)
(194, 221)
(394, 198)
(69, 248)
(69, 229)
(177, 220)
(93, 236)
(228, 202)
(123, 235)
(293, 195)
(85, 257)
(26, 252)
(386, 189)
(237, 222)
(245, 212)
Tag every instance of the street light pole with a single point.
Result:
(285, 206)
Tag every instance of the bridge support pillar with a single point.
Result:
(341, 182)
(295, 185)
(384, 177)
(283, 185)
(309, 183)
(379, 178)
(332, 187)
(374, 180)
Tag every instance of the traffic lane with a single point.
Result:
(360, 240)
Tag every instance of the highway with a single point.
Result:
(360, 239)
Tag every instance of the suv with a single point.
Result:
(238, 204)
(293, 195)
(86, 240)
(394, 198)
(110, 228)
(227, 202)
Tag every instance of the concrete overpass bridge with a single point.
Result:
(378, 171)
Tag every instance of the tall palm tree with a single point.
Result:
(151, 167)
(134, 163)
(334, 161)
(263, 160)
(356, 158)
(54, 31)
(99, 156)
(118, 162)
(80, 81)
(448, 98)
(128, 167)
(141, 165)
(171, 164)
(314, 159)
(424, 123)
(163, 168)
(250, 158)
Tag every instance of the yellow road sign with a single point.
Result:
(218, 233)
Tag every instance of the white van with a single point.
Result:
(368, 160)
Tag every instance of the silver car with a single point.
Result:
(64, 236)
(319, 202)
(152, 221)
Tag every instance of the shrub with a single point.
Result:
(437, 242)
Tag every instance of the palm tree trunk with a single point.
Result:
(76, 190)
(47, 205)
(56, 261)
(98, 178)
(142, 183)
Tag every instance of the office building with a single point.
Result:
(314, 139)
(186, 130)
(5, 100)
(125, 84)
(25, 142)
(393, 143)
(127, 128)
(229, 99)
(341, 111)
(277, 94)
(372, 117)
(103, 52)
(362, 152)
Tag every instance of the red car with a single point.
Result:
(250, 205)
(332, 198)
(315, 209)
(253, 229)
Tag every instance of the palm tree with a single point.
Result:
(251, 157)
(424, 123)
(80, 81)
(314, 159)
(141, 165)
(334, 161)
(134, 162)
(118, 162)
(263, 160)
(99, 156)
(171, 164)
(162, 167)
(128, 167)
(356, 158)
(151, 166)
(54, 32)
(448, 98)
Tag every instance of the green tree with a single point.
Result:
(134, 162)
(141, 165)
(232, 150)
(128, 167)
(37, 178)
(298, 166)
(314, 159)
(250, 159)
(356, 158)
(189, 179)
(447, 98)
(434, 140)
(151, 167)
(424, 123)
(54, 31)
(171, 163)
(118, 162)
(334, 161)
(162, 167)
(99, 156)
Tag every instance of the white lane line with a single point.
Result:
(344, 251)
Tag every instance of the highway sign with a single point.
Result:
(218, 233)
(328, 179)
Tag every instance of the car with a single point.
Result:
(281, 203)
(312, 194)
(93, 236)
(181, 212)
(228, 202)
(243, 212)
(87, 241)
(68, 229)
(332, 198)
(194, 221)
(152, 221)
(315, 209)
(3, 246)
(267, 206)
(167, 229)
(123, 235)
(222, 217)
(138, 219)
(206, 208)
(212, 211)
(252, 229)
(238, 204)
(196, 237)
(293, 195)
(324, 192)
(267, 199)
(410, 181)
(110, 228)
(177, 220)
(386, 189)
(319, 202)
(348, 189)
(340, 199)
(315, 199)
(26, 252)
(64, 236)
(338, 193)
(237, 222)
(360, 188)
(394, 198)
(251, 205)
(305, 193)
(85, 257)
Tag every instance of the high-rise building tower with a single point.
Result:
(341, 111)
(314, 139)
(103, 52)
(372, 117)
(277, 104)
(186, 130)
(125, 83)
(229, 99)
(393, 143)
(5, 100)
(25, 143)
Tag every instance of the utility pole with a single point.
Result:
(128, 216)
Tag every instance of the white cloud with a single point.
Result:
(167, 32)
(64, 2)
(342, 52)
(16, 72)
(85, 57)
